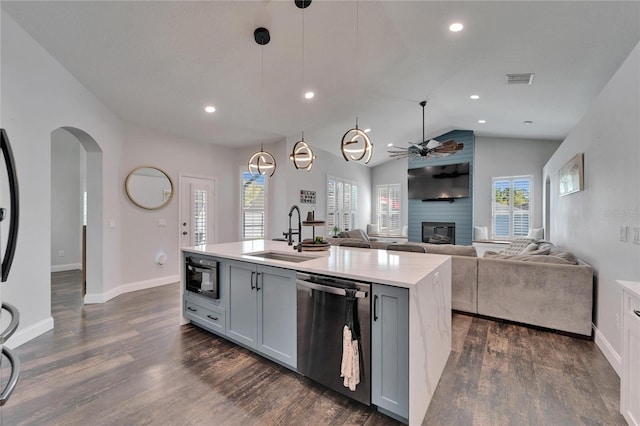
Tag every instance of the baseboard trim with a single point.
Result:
(612, 356)
(91, 298)
(28, 333)
(69, 267)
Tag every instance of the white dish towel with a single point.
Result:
(350, 368)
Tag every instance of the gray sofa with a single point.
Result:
(544, 286)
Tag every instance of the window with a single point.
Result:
(388, 210)
(200, 216)
(342, 204)
(253, 206)
(511, 207)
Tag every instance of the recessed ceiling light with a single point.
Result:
(455, 27)
(309, 95)
(389, 144)
(210, 109)
(367, 130)
(474, 97)
(482, 121)
(528, 122)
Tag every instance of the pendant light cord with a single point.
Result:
(261, 86)
(357, 61)
(303, 76)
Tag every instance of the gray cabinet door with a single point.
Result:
(390, 349)
(277, 314)
(242, 317)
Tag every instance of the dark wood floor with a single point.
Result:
(128, 362)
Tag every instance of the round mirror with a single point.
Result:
(149, 187)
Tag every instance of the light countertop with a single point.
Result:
(400, 269)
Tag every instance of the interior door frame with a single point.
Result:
(181, 179)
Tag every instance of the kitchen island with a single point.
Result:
(411, 311)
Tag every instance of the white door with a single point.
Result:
(197, 207)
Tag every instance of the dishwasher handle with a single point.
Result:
(328, 289)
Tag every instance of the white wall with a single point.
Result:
(393, 171)
(142, 238)
(39, 96)
(499, 157)
(316, 180)
(588, 222)
(66, 202)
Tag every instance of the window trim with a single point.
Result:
(390, 231)
(243, 209)
(511, 179)
(339, 213)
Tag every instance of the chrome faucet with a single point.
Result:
(292, 232)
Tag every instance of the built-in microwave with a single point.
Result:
(201, 276)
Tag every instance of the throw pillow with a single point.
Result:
(530, 247)
(357, 233)
(517, 246)
(563, 254)
(527, 258)
(541, 251)
(536, 233)
(480, 233)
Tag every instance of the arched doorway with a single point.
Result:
(89, 170)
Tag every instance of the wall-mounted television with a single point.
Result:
(439, 183)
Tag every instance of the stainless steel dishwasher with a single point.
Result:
(322, 306)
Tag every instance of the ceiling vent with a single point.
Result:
(526, 78)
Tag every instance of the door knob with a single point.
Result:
(184, 232)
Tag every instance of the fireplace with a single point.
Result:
(439, 232)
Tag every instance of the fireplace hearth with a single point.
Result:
(439, 232)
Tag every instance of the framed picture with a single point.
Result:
(571, 175)
(307, 197)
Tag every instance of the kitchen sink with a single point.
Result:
(285, 257)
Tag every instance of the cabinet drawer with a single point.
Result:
(209, 316)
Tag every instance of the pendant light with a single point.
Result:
(302, 155)
(356, 144)
(261, 162)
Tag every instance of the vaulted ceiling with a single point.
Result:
(160, 63)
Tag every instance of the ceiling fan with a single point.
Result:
(427, 149)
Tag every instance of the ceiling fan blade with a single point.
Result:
(450, 147)
(432, 144)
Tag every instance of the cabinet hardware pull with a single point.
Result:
(212, 318)
(253, 274)
(637, 312)
(375, 307)
(257, 278)
(191, 309)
